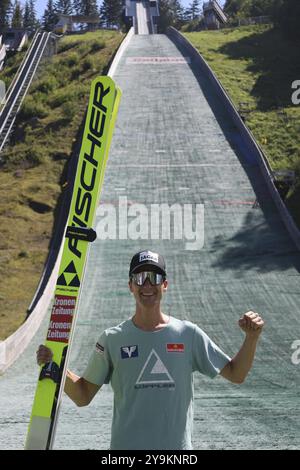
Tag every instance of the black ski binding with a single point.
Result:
(81, 233)
(50, 371)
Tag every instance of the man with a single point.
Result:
(149, 361)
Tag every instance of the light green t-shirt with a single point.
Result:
(151, 374)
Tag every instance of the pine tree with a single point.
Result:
(104, 14)
(30, 21)
(50, 17)
(26, 16)
(5, 13)
(194, 9)
(167, 14)
(86, 7)
(179, 13)
(111, 13)
(77, 7)
(64, 6)
(17, 16)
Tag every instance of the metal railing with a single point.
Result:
(2, 54)
(21, 66)
(149, 20)
(19, 87)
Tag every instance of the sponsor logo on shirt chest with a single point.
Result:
(175, 347)
(154, 374)
(127, 352)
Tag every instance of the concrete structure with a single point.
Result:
(214, 16)
(2, 52)
(143, 15)
(15, 39)
(66, 23)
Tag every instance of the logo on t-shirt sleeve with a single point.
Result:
(99, 348)
(129, 351)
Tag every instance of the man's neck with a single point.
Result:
(150, 319)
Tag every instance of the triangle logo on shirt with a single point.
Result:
(154, 373)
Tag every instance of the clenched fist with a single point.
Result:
(43, 355)
(251, 323)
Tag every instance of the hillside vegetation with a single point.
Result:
(257, 67)
(33, 175)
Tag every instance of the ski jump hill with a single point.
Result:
(178, 140)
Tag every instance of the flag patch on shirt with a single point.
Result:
(129, 351)
(99, 348)
(175, 347)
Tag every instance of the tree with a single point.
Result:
(86, 7)
(168, 14)
(50, 17)
(64, 6)
(247, 8)
(17, 15)
(194, 8)
(232, 7)
(26, 16)
(77, 4)
(30, 21)
(257, 7)
(103, 13)
(5, 13)
(111, 13)
(179, 14)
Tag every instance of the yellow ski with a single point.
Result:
(98, 130)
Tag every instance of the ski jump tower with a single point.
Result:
(143, 15)
(214, 15)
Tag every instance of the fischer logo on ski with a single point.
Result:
(97, 135)
(90, 163)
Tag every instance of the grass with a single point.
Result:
(33, 175)
(257, 66)
(12, 63)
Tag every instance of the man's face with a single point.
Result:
(147, 295)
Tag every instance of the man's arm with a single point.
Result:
(237, 369)
(77, 388)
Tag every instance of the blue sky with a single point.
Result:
(41, 4)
